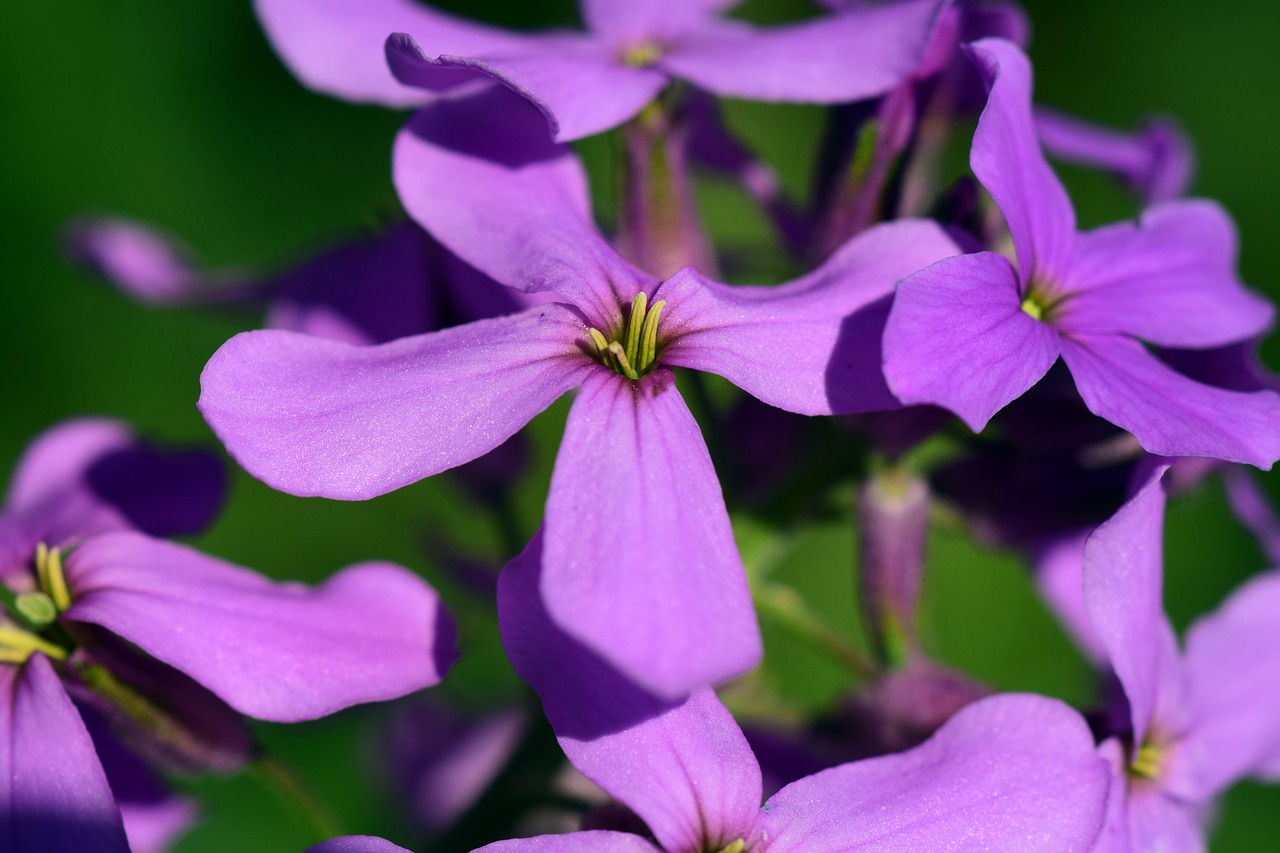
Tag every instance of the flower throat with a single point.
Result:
(633, 354)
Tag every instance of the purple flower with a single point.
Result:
(971, 333)
(1198, 720)
(585, 83)
(641, 562)
(162, 642)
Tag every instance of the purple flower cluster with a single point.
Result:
(1104, 369)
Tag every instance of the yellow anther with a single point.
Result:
(1148, 761)
(49, 573)
(601, 342)
(17, 645)
(641, 55)
(1033, 307)
(649, 337)
(624, 364)
(635, 351)
(734, 846)
(635, 324)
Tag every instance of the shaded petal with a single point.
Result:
(1156, 162)
(482, 177)
(1007, 159)
(1169, 280)
(281, 652)
(1123, 582)
(1169, 414)
(842, 57)
(812, 345)
(1012, 772)
(640, 563)
(580, 86)
(698, 781)
(1232, 660)
(54, 797)
(336, 46)
(957, 337)
(596, 841)
(311, 416)
(356, 844)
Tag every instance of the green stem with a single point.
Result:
(291, 788)
(786, 609)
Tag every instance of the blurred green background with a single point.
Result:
(178, 114)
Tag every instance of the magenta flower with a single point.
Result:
(588, 82)
(185, 635)
(1199, 720)
(972, 333)
(641, 562)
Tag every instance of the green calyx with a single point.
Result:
(31, 624)
(634, 353)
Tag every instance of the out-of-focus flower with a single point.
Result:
(972, 334)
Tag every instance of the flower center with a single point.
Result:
(632, 354)
(1148, 762)
(1040, 301)
(29, 626)
(641, 55)
(734, 846)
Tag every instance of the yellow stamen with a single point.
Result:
(641, 55)
(52, 579)
(17, 645)
(1148, 761)
(624, 364)
(1033, 307)
(635, 323)
(649, 336)
(734, 847)
(602, 343)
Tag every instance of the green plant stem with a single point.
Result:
(292, 789)
(786, 609)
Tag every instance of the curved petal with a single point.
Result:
(1012, 772)
(596, 841)
(810, 346)
(1232, 658)
(356, 844)
(280, 652)
(336, 46)
(54, 797)
(1169, 280)
(580, 86)
(640, 563)
(957, 337)
(482, 177)
(311, 416)
(1123, 581)
(1155, 162)
(1169, 414)
(698, 782)
(837, 58)
(1007, 159)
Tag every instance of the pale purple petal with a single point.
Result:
(1155, 162)
(957, 337)
(281, 652)
(1170, 279)
(56, 460)
(1123, 582)
(580, 86)
(697, 781)
(356, 844)
(1059, 574)
(54, 797)
(1007, 159)
(640, 561)
(833, 59)
(1233, 666)
(812, 345)
(597, 841)
(311, 416)
(1251, 506)
(1158, 822)
(336, 46)
(481, 175)
(1169, 414)
(1012, 772)
(636, 22)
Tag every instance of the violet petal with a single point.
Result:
(595, 841)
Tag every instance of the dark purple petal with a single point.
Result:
(1013, 772)
(697, 781)
(1232, 658)
(1006, 158)
(597, 841)
(1123, 581)
(356, 844)
(481, 175)
(957, 337)
(580, 86)
(810, 346)
(836, 58)
(1169, 414)
(1155, 162)
(640, 563)
(311, 416)
(1169, 280)
(281, 652)
(54, 797)
(336, 46)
